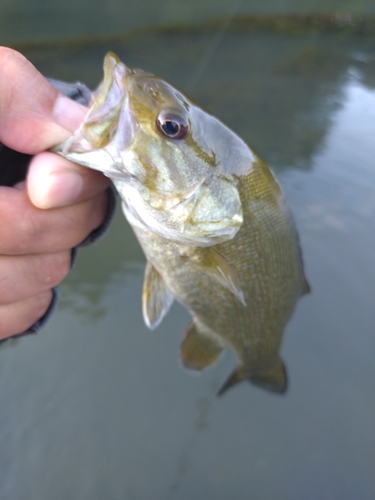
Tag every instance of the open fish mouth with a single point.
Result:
(108, 128)
(110, 110)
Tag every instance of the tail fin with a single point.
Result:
(273, 380)
(237, 376)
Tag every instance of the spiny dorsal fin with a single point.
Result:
(212, 262)
(199, 350)
(274, 380)
(156, 297)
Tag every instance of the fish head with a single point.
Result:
(175, 166)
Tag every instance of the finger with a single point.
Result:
(53, 181)
(18, 317)
(26, 229)
(34, 116)
(22, 277)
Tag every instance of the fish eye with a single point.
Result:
(172, 125)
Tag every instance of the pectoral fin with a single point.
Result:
(156, 297)
(212, 262)
(199, 350)
(273, 380)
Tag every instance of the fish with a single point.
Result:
(209, 215)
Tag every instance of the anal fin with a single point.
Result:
(156, 297)
(199, 350)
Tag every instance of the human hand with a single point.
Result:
(56, 208)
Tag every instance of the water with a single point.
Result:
(96, 406)
(29, 20)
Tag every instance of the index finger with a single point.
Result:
(34, 116)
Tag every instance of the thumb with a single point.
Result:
(53, 181)
(34, 116)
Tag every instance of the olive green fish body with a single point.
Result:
(266, 256)
(209, 215)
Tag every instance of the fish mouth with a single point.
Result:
(109, 126)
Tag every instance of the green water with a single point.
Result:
(25, 20)
(98, 407)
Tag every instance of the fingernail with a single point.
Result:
(68, 113)
(60, 189)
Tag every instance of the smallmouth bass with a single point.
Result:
(209, 215)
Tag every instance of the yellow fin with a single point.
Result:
(214, 263)
(273, 380)
(199, 350)
(156, 297)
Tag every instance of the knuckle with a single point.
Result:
(28, 234)
(12, 66)
(8, 55)
(54, 268)
(38, 305)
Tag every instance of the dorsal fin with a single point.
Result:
(156, 297)
(199, 350)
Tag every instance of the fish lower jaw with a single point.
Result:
(202, 234)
